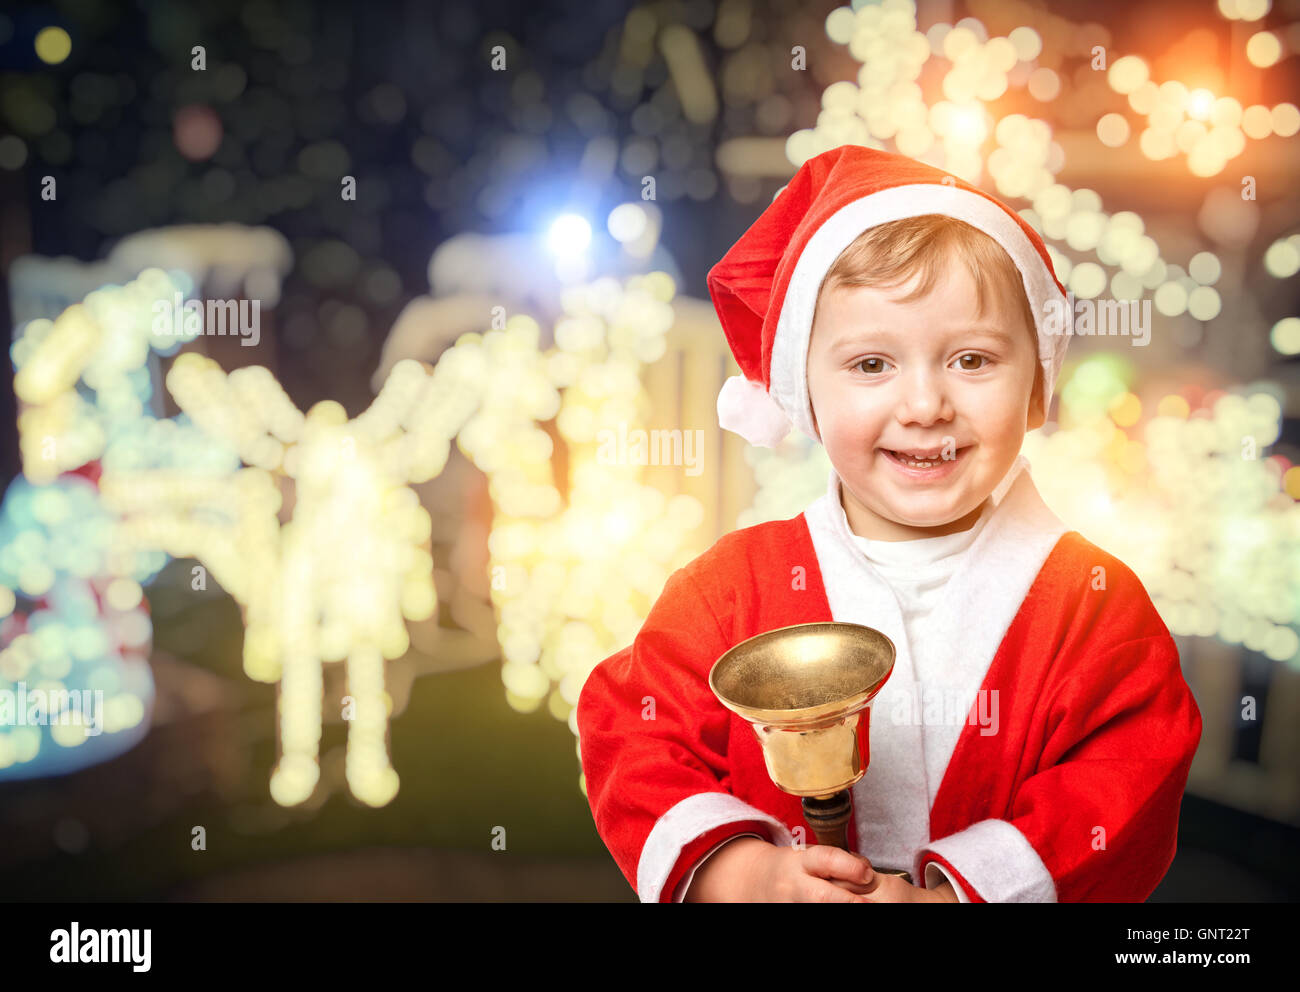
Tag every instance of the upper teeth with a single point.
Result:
(916, 461)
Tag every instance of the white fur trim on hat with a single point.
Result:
(789, 377)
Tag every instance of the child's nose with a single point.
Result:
(924, 399)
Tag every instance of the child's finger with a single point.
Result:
(821, 890)
(858, 887)
(829, 862)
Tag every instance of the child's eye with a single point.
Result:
(879, 362)
(974, 368)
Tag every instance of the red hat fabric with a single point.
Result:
(765, 287)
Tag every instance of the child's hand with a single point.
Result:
(753, 870)
(891, 888)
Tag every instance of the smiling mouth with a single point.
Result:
(910, 461)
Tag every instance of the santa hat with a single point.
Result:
(765, 288)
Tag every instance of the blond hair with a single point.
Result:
(888, 255)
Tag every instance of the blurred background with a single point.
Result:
(332, 329)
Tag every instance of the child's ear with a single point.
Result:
(1037, 415)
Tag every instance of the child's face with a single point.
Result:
(920, 377)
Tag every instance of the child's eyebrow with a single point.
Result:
(858, 337)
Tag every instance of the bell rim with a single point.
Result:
(804, 717)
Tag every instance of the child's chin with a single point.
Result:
(938, 510)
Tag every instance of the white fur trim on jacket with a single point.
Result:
(693, 816)
(998, 861)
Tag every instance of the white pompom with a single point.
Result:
(745, 408)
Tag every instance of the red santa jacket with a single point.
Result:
(1042, 758)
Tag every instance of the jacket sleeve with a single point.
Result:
(653, 742)
(1098, 820)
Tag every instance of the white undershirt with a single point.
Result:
(917, 571)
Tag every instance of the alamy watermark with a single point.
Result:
(46, 707)
(936, 705)
(1131, 318)
(237, 318)
(91, 946)
(657, 447)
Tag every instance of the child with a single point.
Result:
(1033, 741)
